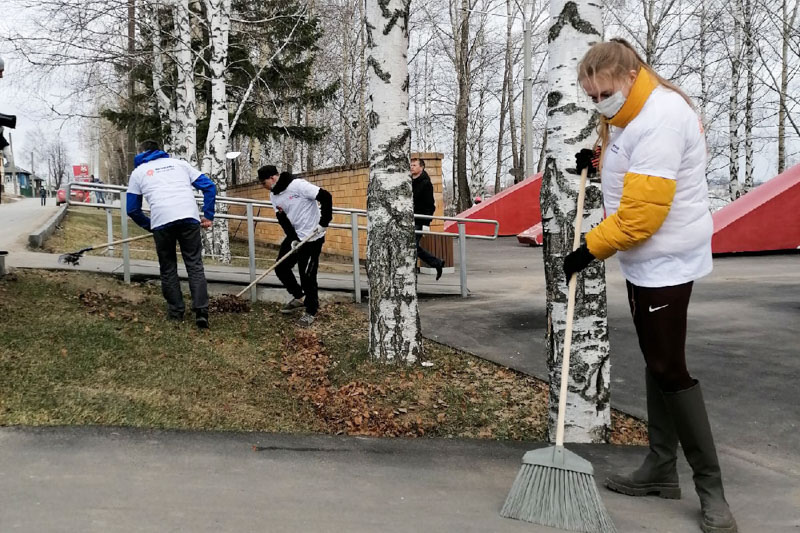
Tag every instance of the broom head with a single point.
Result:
(556, 488)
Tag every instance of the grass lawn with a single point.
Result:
(79, 348)
(86, 226)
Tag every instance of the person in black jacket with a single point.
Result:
(295, 202)
(423, 205)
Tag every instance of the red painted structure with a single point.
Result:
(765, 219)
(516, 209)
(533, 235)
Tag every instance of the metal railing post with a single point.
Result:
(251, 251)
(67, 193)
(126, 250)
(462, 254)
(356, 254)
(110, 228)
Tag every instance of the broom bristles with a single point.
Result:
(557, 498)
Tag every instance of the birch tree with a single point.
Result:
(394, 327)
(571, 126)
(185, 135)
(218, 13)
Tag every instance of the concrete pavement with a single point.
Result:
(108, 480)
(19, 218)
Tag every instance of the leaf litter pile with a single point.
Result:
(101, 353)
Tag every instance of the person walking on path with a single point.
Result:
(652, 169)
(166, 184)
(295, 202)
(424, 204)
(99, 195)
(43, 195)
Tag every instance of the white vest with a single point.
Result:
(666, 140)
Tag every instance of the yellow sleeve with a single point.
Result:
(644, 206)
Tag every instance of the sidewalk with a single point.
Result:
(108, 480)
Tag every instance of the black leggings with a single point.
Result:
(659, 314)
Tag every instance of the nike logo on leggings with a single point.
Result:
(654, 309)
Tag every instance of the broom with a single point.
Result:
(555, 487)
(73, 258)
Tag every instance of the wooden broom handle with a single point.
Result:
(573, 282)
(121, 241)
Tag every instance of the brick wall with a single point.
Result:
(348, 186)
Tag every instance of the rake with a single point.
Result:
(74, 258)
(234, 303)
(555, 487)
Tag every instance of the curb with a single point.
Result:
(37, 238)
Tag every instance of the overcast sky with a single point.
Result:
(36, 101)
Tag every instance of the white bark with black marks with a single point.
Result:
(571, 126)
(394, 327)
(219, 23)
(185, 137)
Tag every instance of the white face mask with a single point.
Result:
(611, 105)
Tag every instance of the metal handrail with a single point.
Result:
(249, 204)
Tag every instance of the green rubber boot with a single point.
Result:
(691, 422)
(657, 475)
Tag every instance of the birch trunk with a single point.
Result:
(733, 109)
(750, 62)
(219, 22)
(166, 111)
(185, 137)
(571, 126)
(394, 327)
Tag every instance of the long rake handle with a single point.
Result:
(573, 282)
(121, 241)
(278, 262)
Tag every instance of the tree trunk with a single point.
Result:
(570, 126)
(512, 123)
(219, 21)
(750, 61)
(185, 137)
(464, 197)
(163, 101)
(394, 327)
(788, 25)
(733, 108)
(363, 126)
(503, 99)
(345, 75)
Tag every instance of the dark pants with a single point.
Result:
(307, 261)
(424, 254)
(187, 235)
(44, 200)
(659, 315)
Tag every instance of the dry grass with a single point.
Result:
(78, 348)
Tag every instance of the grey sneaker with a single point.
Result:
(305, 321)
(292, 306)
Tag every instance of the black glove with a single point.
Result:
(576, 261)
(586, 159)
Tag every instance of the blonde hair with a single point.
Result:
(614, 59)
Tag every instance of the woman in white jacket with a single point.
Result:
(652, 169)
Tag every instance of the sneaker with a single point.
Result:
(174, 316)
(305, 321)
(201, 318)
(294, 305)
